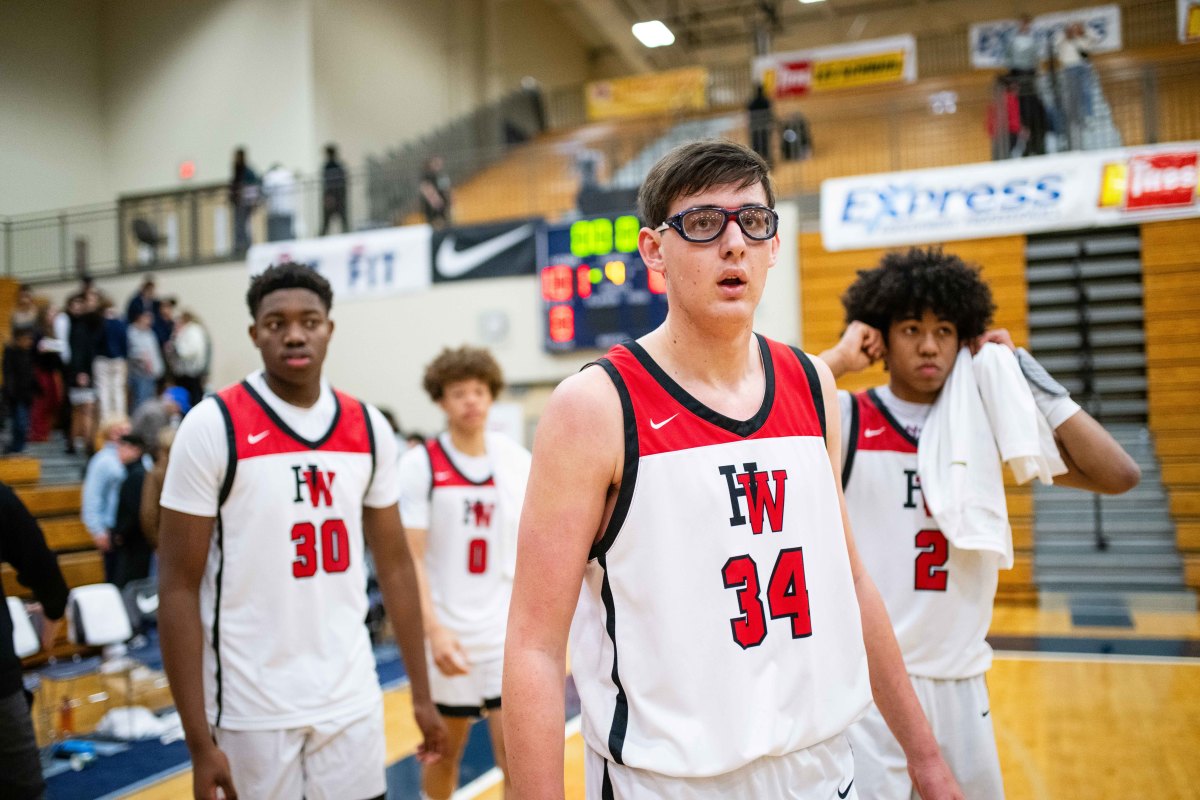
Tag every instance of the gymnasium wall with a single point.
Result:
(1172, 322)
(824, 277)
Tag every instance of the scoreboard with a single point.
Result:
(596, 290)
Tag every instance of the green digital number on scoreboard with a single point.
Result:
(602, 237)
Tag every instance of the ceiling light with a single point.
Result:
(807, 2)
(653, 33)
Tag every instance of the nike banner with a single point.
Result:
(485, 251)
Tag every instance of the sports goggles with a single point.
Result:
(706, 223)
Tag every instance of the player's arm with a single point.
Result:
(890, 687)
(448, 653)
(182, 555)
(577, 455)
(398, 581)
(860, 347)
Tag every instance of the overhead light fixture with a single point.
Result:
(809, 2)
(653, 33)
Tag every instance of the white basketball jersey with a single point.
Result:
(283, 601)
(718, 621)
(470, 590)
(939, 597)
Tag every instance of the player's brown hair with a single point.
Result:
(463, 363)
(695, 167)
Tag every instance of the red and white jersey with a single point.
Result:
(283, 600)
(939, 597)
(469, 587)
(718, 621)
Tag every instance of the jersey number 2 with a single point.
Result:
(334, 547)
(787, 596)
(932, 573)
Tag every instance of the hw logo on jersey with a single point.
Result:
(319, 485)
(761, 496)
(478, 513)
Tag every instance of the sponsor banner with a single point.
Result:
(989, 40)
(844, 66)
(358, 266)
(485, 251)
(1016, 196)
(1189, 21)
(656, 93)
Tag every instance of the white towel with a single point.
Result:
(959, 466)
(510, 470)
(1022, 433)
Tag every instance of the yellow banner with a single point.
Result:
(638, 95)
(843, 73)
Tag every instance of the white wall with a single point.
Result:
(193, 79)
(51, 125)
(380, 347)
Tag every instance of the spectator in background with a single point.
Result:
(243, 196)
(414, 439)
(131, 550)
(164, 322)
(102, 487)
(48, 369)
(279, 189)
(435, 192)
(20, 386)
(1024, 57)
(152, 487)
(153, 417)
(190, 350)
(145, 360)
(24, 548)
(1004, 121)
(333, 191)
(25, 313)
(762, 123)
(146, 299)
(85, 330)
(109, 367)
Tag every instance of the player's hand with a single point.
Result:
(995, 335)
(210, 772)
(448, 653)
(933, 780)
(433, 732)
(860, 347)
(103, 541)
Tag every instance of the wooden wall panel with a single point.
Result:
(1170, 272)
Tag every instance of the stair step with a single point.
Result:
(1041, 341)
(1105, 384)
(1117, 547)
(1126, 528)
(1109, 560)
(1067, 295)
(1059, 271)
(1056, 582)
(1072, 362)
(1097, 316)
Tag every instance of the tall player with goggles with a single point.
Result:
(726, 634)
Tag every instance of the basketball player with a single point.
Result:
(915, 310)
(272, 489)
(460, 494)
(689, 482)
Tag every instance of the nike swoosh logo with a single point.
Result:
(984, 714)
(452, 263)
(441, 476)
(873, 432)
(843, 793)
(657, 425)
(255, 438)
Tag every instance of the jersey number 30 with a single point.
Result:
(787, 596)
(334, 545)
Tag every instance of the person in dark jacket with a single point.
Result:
(333, 191)
(131, 549)
(23, 546)
(20, 386)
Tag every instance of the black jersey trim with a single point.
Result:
(231, 446)
(446, 452)
(216, 623)
(371, 439)
(606, 790)
(283, 426)
(848, 464)
(620, 720)
(629, 469)
(741, 428)
(891, 420)
(814, 387)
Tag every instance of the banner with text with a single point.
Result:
(358, 266)
(844, 66)
(656, 93)
(1189, 21)
(1017, 196)
(1101, 25)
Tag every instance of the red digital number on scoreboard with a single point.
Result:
(557, 283)
(562, 324)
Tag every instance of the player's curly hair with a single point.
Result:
(464, 363)
(908, 283)
(288, 275)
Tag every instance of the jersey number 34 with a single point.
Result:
(787, 596)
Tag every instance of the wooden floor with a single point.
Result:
(1091, 727)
